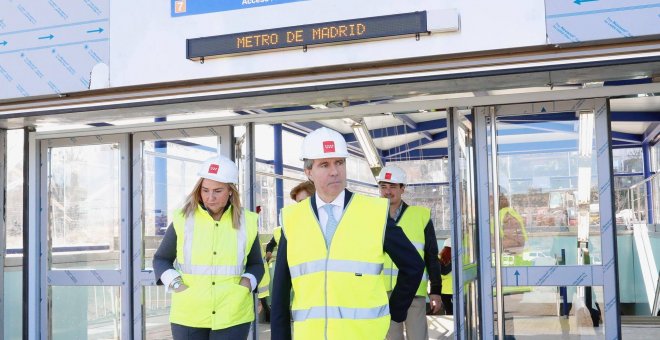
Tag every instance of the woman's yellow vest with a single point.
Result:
(264, 286)
(413, 221)
(338, 293)
(277, 233)
(447, 284)
(211, 256)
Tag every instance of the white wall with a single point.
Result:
(151, 48)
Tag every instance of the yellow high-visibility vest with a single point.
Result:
(211, 256)
(277, 233)
(413, 221)
(263, 290)
(338, 292)
(447, 287)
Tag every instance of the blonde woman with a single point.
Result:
(209, 258)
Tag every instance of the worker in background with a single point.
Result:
(210, 258)
(418, 228)
(298, 193)
(447, 289)
(332, 252)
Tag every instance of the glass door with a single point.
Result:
(164, 168)
(546, 238)
(84, 238)
(464, 240)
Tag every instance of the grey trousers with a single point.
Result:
(415, 324)
(180, 332)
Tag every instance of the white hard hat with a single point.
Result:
(323, 143)
(392, 174)
(219, 168)
(447, 243)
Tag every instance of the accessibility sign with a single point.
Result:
(192, 7)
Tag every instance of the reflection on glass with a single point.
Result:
(156, 313)
(85, 312)
(13, 266)
(466, 188)
(565, 312)
(169, 170)
(84, 206)
(548, 189)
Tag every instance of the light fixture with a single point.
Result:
(586, 133)
(371, 154)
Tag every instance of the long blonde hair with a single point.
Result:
(194, 199)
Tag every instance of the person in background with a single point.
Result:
(298, 193)
(446, 291)
(332, 251)
(210, 259)
(418, 228)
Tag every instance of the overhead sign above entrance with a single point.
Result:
(191, 7)
(304, 35)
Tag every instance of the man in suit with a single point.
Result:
(331, 255)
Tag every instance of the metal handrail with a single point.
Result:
(644, 181)
(656, 303)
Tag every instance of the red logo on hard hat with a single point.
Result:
(388, 175)
(213, 169)
(328, 146)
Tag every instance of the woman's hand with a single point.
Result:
(245, 282)
(181, 288)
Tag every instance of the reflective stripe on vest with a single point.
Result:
(335, 312)
(263, 288)
(413, 222)
(339, 292)
(395, 272)
(211, 257)
(336, 266)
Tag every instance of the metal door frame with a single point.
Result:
(604, 275)
(462, 275)
(143, 277)
(41, 277)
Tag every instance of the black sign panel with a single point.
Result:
(304, 35)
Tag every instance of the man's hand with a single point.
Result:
(245, 282)
(436, 302)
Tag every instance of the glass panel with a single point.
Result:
(548, 189)
(169, 172)
(566, 312)
(156, 313)
(466, 189)
(84, 206)
(627, 160)
(428, 187)
(13, 274)
(85, 312)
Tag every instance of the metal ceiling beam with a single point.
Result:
(401, 130)
(331, 113)
(651, 133)
(635, 116)
(408, 147)
(627, 137)
(421, 154)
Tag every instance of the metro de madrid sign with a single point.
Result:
(335, 32)
(192, 7)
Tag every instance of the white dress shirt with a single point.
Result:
(337, 208)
